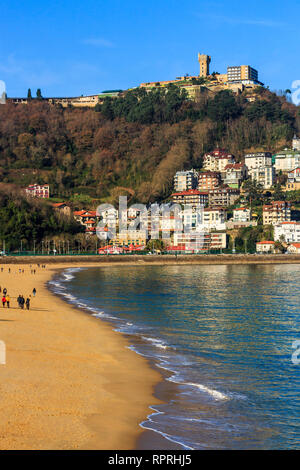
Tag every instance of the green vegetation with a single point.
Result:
(24, 220)
(134, 143)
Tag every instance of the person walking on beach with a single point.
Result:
(3, 301)
(22, 302)
(34, 291)
(4, 291)
(27, 303)
(7, 301)
(19, 300)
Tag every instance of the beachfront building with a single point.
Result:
(294, 248)
(217, 160)
(223, 196)
(192, 197)
(38, 190)
(185, 180)
(129, 237)
(264, 175)
(257, 160)
(208, 180)
(287, 160)
(202, 241)
(266, 246)
(276, 212)
(287, 231)
(234, 174)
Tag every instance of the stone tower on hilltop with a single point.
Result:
(204, 61)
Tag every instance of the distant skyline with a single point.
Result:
(75, 48)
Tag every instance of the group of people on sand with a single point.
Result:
(20, 299)
(5, 298)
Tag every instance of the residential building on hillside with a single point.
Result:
(296, 143)
(234, 174)
(267, 246)
(214, 218)
(287, 231)
(223, 196)
(276, 212)
(264, 175)
(62, 208)
(293, 181)
(257, 160)
(208, 180)
(192, 197)
(38, 190)
(185, 180)
(241, 214)
(286, 160)
(217, 160)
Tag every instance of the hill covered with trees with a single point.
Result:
(134, 144)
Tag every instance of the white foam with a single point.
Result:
(164, 434)
(214, 393)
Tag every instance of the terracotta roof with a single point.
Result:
(266, 242)
(58, 204)
(296, 245)
(190, 192)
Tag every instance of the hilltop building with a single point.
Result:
(204, 61)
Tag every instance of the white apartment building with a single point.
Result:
(241, 214)
(296, 143)
(264, 175)
(214, 218)
(266, 246)
(287, 160)
(257, 160)
(217, 160)
(276, 213)
(185, 180)
(289, 231)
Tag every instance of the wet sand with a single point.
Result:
(69, 381)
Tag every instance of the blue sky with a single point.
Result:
(72, 47)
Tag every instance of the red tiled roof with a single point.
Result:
(190, 192)
(296, 245)
(266, 242)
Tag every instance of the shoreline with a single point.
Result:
(152, 260)
(64, 384)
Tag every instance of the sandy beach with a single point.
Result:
(69, 381)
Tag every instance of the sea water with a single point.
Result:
(223, 337)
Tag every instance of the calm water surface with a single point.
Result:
(225, 335)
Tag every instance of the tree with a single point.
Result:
(29, 96)
(39, 94)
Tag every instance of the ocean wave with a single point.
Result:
(167, 436)
(213, 393)
(158, 343)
